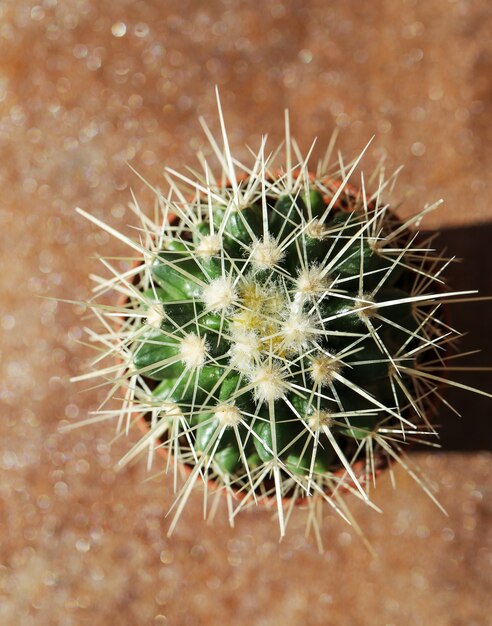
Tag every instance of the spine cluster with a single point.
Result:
(281, 332)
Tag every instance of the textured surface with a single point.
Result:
(86, 87)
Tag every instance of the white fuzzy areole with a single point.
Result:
(193, 350)
(319, 419)
(268, 383)
(219, 295)
(266, 252)
(317, 230)
(297, 330)
(245, 349)
(363, 307)
(228, 415)
(155, 316)
(311, 281)
(324, 368)
(210, 245)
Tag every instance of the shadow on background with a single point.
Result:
(473, 247)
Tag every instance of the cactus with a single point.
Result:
(281, 331)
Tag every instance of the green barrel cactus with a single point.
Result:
(281, 331)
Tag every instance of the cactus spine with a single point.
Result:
(281, 332)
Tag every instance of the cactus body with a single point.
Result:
(273, 339)
(281, 333)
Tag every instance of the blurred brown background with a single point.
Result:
(86, 86)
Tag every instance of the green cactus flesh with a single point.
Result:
(281, 331)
